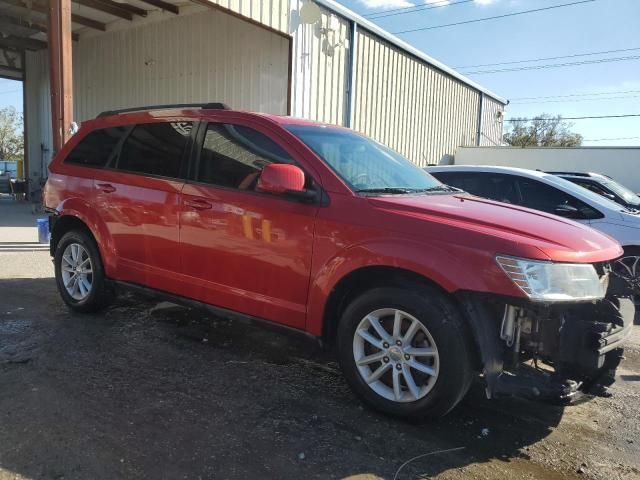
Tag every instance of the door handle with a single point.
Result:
(198, 204)
(106, 187)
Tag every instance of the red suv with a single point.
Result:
(420, 286)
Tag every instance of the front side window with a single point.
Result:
(539, 196)
(233, 156)
(495, 186)
(155, 149)
(96, 148)
(361, 162)
(594, 187)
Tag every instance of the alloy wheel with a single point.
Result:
(396, 355)
(77, 271)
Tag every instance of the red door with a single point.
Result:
(139, 201)
(241, 249)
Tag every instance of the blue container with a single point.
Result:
(43, 230)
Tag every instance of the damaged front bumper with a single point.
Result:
(559, 353)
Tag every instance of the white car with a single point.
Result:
(552, 194)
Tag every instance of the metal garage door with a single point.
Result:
(204, 56)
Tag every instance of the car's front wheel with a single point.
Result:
(406, 352)
(79, 272)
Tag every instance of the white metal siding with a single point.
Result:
(409, 105)
(202, 57)
(272, 13)
(320, 68)
(38, 113)
(492, 122)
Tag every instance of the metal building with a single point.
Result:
(260, 55)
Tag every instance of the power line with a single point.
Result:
(611, 139)
(445, 2)
(577, 118)
(494, 17)
(574, 100)
(549, 58)
(415, 8)
(554, 65)
(577, 95)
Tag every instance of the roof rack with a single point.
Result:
(203, 106)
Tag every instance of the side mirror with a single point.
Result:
(284, 179)
(567, 211)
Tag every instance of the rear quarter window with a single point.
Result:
(96, 148)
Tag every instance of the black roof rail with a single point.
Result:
(575, 174)
(203, 106)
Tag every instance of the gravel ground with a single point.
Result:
(148, 390)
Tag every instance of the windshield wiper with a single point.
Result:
(443, 188)
(390, 190)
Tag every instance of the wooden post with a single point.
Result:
(60, 63)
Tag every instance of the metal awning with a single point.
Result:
(24, 24)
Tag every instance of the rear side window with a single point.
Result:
(233, 156)
(155, 149)
(95, 149)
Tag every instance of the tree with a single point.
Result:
(542, 131)
(11, 134)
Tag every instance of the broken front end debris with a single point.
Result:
(558, 352)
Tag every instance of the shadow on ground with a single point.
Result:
(154, 391)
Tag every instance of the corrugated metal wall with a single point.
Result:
(206, 56)
(320, 67)
(492, 122)
(410, 106)
(273, 13)
(38, 113)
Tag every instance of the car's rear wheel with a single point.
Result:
(79, 272)
(406, 352)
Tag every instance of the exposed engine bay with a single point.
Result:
(555, 352)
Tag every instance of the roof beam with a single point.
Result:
(163, 5)
(11, 69)
(20, 22)
(22, 43)
(141, 12)
(42, 8)
(106, 6)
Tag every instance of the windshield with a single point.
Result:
(623, 192)
(364, 164)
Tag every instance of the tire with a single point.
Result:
(92, 292)
(440, 328)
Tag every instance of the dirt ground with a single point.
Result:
(148, 390)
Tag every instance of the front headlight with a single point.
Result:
(554, 282)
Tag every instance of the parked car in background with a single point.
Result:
(320, 229)
(552, 194)
(604, 186)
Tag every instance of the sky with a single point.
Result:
(606, 88)
(10, 94)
